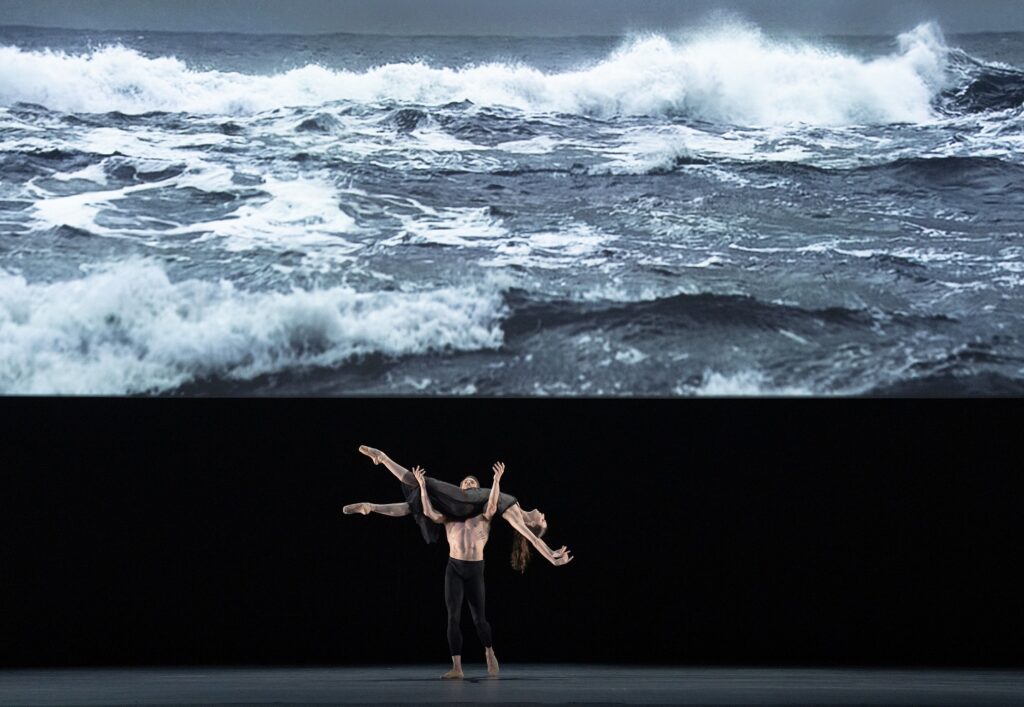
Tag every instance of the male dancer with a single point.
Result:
(467, 535)
(461, 503)
(464, 576)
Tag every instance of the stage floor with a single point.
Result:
(518, 684)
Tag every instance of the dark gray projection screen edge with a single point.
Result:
(523, 18)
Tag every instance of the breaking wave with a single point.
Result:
(734, 75)
(128, 328)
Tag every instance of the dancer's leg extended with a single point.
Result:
(385, 509)
(379, 457)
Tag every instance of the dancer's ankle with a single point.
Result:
(456, 671)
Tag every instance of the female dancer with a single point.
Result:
(460, 503)
(467, 526)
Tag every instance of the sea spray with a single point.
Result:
(127, 328)
(731, 74)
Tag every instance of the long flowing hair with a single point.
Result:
(522, 551)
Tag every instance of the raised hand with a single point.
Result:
(420, 473)
(499, 469)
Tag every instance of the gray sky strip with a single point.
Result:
(522, 17)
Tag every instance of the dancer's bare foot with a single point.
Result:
(492, 663)
(375, 454)
(453, 674)
(363, 508)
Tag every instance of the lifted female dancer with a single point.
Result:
(460, 503)
(467, 536)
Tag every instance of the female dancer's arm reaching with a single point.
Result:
(516, 518)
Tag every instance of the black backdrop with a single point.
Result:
(705, 532)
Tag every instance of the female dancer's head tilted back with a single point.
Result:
(538, 524)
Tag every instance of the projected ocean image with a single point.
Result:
(717, 211)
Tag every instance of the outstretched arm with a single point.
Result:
(428, 510)
(492, 500)
(514, 516)
(385, 509)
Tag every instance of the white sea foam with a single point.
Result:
(542, 145)
(551, 250)
(740, 384)
(300, 214)
(128, 328)
(732, 74)
(664, 148)
(616, 291)
(466, 227)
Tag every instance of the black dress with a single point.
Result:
(450, 501)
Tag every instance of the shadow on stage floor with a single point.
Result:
(518, 684)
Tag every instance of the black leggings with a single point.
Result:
(465, 578)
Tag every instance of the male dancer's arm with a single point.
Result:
(428, 509)
(492, 499)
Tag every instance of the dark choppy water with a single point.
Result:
(721, 212)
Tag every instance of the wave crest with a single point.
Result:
(129, 329)
(734, 75)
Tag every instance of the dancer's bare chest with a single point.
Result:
(466, 539)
